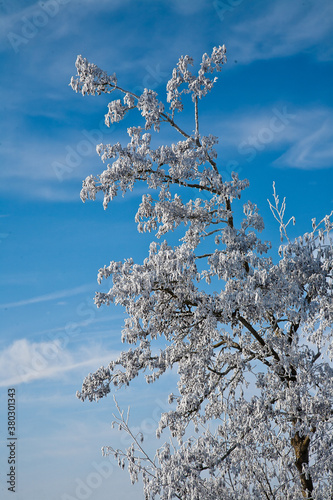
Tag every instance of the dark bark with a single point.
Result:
(301, 446)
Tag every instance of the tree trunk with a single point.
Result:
(301, 447)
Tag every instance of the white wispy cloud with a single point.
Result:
(310, 141)
(302, 138)
(24, 17)
(25, 361)
(281, 29)
(48, 297)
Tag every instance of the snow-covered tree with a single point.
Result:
(247, 328)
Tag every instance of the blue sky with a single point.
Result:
(272, 109)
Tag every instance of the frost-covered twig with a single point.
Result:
(278, 213)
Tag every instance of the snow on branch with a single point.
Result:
(278, 213)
